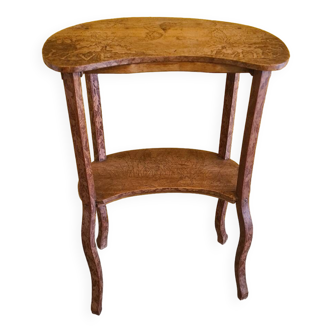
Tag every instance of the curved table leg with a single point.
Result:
(220, 221)
(103, 226)
(91, 254)
(246, 232)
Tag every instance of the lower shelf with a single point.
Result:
(167, 170)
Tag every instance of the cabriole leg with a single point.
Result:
(91, 254)
(103, 226)
(250, 136)
(246, 231)
(73, 89)
(232, 83)
(220, 221)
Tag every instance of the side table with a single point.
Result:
(135, 45)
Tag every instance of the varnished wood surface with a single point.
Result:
(202, 67)
(96, 118)
(225, 143)
(123, 41)
(228, 115)
(148, 171)
(103, 226)
(92, 257)
(135, 45)
(75, 105)
(255, 109)
(258, 92)
(73, 91)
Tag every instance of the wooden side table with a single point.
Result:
(135, 45)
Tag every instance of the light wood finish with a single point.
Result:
(225, 144)
(123, 41)
(133, 45)
(148, 171)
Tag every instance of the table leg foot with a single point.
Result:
(246, 232)
(91, 254)
(103, 226)
(220, 221)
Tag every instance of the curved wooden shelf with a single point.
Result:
(148, 171)
(135, 45)
(107, 43)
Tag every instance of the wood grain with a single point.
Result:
(202, 67)
(133, 45)
(73, 90)
(246, 233)
(255, 109)
(96, 117)
(123, 41)
(228, 115)
(92, 257)
(103, 226)
(225, 143)
(97, 130)
(220, 221)
(147, 171)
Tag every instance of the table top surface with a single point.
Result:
(124, 41)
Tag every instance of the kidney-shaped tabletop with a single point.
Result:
(107, 43)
